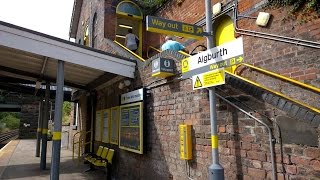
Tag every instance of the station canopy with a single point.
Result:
(32, 56)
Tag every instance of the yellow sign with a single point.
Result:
(166, 26)
(208, 79)
(185, 65)
(198, 83)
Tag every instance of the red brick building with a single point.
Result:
(288, 47)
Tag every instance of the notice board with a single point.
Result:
(106, 125)
(131, 127)
(98, 129)
(114, 134)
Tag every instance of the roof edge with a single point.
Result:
(75, 18)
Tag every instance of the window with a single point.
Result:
(94, 30)
(86, 36)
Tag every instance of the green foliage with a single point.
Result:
(148, 6)
(10, 119)
(66, 112)
(296, 5)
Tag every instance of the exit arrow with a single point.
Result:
(240, 59)
(199, 30)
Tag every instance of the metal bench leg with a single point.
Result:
(91, 168)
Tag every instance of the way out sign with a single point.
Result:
(208, 79)
(226, 55)
(165, 26)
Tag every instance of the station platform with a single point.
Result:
(18, 161)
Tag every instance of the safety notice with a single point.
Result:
(208, 79)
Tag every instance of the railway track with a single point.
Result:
(8, 135)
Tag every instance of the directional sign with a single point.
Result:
(226, 55)
(165, 26)
(208, 79)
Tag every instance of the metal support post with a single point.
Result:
(56, 138)
(91, 124)
(43, 161)
(39, 129)
(216, 171)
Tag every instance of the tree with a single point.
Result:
(66, 112)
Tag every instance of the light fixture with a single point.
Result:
(127, 82)
(125, 26)
(120, 36)
(121, 85)
(216, 9)
(263, 19)
(38, 84)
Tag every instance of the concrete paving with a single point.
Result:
(18, 161)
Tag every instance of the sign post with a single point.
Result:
(216, 171)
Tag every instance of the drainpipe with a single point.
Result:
(274, 177)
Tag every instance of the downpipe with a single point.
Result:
(271, 140)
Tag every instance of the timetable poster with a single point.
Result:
(106, 122)
(131, 127)
(97, 130)
(114, 138)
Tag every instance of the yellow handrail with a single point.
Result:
(73, 143)
(137, 56)
(277, 93)
(154, 48)
(181, 52)
(151, 47)
(184, 53)
(282, 77)
(81, 141)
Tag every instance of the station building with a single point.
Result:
(269, 103)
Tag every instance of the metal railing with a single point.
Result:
(131, 52)
(159, 51)
(271, 139)
(306, 86)
(153, 48)
(292, 81)
(278, 76)
(81, 143)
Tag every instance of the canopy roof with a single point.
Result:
(33, 56)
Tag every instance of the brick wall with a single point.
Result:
(293, 61)
(29, 115)
(243, 143)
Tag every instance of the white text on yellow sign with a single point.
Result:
(208, 79)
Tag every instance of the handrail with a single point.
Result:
(81, 142)
(277, 93)
(137, 56)
(181, 52)
(151, 47)
(154, 48)
(281, 77)
(264, 124)
(73, 143)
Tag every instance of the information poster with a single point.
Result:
(97, 134)
(131, 127)
(106, 125)
(114, 138)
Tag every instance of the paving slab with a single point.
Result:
(18, 161)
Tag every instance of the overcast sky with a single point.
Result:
(47, 16)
